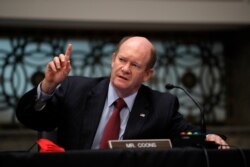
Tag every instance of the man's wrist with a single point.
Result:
(47, 88)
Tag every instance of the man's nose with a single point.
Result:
(126, 68)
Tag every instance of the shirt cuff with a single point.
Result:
(41, 98)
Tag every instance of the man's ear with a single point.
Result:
(148, 74)
(113, 58)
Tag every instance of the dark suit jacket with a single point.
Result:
(76, 107)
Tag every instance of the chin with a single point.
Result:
(121, 85)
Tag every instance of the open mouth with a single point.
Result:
(122, 77)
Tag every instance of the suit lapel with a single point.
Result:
(138, 115)
(93, 111)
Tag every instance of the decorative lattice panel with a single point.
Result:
(196, 66)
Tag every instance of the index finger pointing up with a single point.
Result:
(68, 51)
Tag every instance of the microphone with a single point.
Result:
(198, 139)
(202, 118)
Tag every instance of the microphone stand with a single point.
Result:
(201, 138)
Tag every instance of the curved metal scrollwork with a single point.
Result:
(198, 66)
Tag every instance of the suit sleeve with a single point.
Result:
(177, 122)
(44, 119)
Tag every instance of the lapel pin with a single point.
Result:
(142, 115)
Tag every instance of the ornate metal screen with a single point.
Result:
(196, 66)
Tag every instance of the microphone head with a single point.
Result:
(169, 86)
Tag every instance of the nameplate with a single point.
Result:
(141, 144)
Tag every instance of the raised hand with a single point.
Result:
(56, 71)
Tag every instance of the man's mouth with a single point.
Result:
(122, 77)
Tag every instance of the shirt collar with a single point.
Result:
(112, 96)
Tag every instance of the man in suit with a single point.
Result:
(79, 107)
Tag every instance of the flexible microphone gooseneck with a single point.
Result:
(202, 118)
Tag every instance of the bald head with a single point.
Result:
(142, 44)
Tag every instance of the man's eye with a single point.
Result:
(135, 65)
(121, 60)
